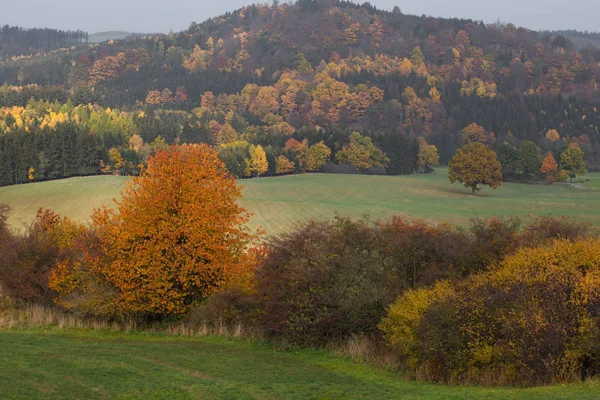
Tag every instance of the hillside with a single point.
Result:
(315, 70)
(280, 202)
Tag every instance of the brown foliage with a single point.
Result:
(26, 261)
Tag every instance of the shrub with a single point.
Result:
(228, 308)
(26, 261)
(533, 320)
(544, 229)
(404, 318)
(493, 239)
(325, 281)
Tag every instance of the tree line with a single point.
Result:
(16, 41)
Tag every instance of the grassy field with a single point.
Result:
(279, 202)
(55, 364)
(591, 181)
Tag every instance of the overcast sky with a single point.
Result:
(163, 16)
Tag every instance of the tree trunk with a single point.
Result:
(474, 189)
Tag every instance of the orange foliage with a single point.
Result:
(178, 235)
(549, 167)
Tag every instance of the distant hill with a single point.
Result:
(100, 37)
(580, 39)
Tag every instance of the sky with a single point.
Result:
(147, 16)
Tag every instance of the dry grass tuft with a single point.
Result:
(13, 315)
(367, 350)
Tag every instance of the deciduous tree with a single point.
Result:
(474, 165)
(177, 236)
(428, 155)
(258, 163)
(316, 156)
(571, 161)
(549, 167)
(362, 153)
(284, 165)
(529, 160)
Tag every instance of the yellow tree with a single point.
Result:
(284, 165)
(362, 153)
(258, 163)
(552, 135)
(116, 159)
(316, 156)
(153, 97)
(475, 133)
(474, 165)
(136, 143)
(428, 155)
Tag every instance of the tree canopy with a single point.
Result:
(474, 165)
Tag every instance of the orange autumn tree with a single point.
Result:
(549, 167)
(178, 234)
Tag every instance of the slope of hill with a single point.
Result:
(278, 203)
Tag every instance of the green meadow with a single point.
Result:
(277, 203)
(50, 363)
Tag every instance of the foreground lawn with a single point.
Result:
(53, 364)
(279, 202)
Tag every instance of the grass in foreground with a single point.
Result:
(51, 363)
(279, 202)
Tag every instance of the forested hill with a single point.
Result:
(16, 41)
(315, 70)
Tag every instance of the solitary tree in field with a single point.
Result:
(572, 162)
(474, 165)
(177, 236)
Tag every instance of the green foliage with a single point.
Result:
(263, 88)
(235, 156)
(529, 160)
(571, 161)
